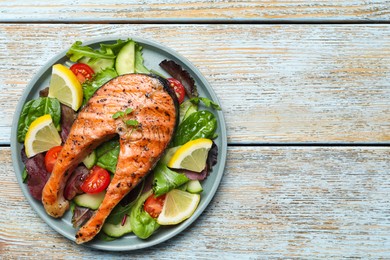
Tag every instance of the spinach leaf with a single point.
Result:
(201, 124)
(36, 108)
(23, 121)
(142, 224)
(107, 155)
(165, 179)
(90, 86)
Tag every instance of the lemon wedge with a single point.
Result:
(65, 86)
(192, 155)
(178, 206)
(41, 136)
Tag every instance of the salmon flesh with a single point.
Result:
(154, 107)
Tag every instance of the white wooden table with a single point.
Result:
(305, 90)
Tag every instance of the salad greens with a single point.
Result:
(142, 224)
(90, 86)
(107, 155)
(36, 108)
(165, 179)
(104, 57)
(78, 51)
(194, 124)
(201, 124)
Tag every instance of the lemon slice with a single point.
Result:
(41, 136)
(178, 206)
(192, 155)
(65, 87)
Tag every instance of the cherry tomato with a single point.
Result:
(51, 157)
(97, 180)
(82, 71)
(153, 205)
(179, 89)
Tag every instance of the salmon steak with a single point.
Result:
(155, 108)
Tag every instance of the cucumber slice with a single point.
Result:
(90, 160)
(117, 230)
(91, 201)
(125, 61)
(194, 186)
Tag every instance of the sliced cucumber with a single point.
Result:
(117, 230)
(125, 61)
(194, 186)
(90, 160)
(91, 201)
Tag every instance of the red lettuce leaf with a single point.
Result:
(67, 118)
(212, 159)
(37, 174)
(80, 216)
(177, 72)
(73, 185)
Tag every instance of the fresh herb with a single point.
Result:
(118, 114)
(37, 108)
(128, 111)
(122, 114)
(131, 122)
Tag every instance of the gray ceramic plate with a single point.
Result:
(153, 54)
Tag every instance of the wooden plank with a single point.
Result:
(192, 11)
(273, 202)
(276, 83)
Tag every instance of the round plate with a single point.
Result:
(153, 54)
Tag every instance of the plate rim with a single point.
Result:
(143, 243)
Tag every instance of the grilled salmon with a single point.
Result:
(154, 107)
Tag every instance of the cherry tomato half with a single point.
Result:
(82, 71)
(97, 180)
(153, 205)
(51, 157)
(179, 89)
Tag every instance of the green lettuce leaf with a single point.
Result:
(107, 155)
(90, 86)
(139, 61)
(142, 224)
(165, 179)
(78, 51)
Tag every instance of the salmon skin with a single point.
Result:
(155, 108)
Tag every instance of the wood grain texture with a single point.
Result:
(192, 11)
(301, 202)
(276, 83)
